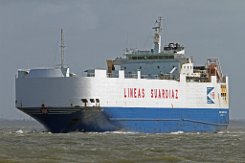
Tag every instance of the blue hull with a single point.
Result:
(147, 120)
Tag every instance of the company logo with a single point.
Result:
(210, 95)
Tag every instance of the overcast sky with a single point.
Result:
(99, 29)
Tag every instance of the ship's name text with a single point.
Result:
(152, 93)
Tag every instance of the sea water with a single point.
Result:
(27, 141)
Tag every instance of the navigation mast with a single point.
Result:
(157, 35)
(62, 47)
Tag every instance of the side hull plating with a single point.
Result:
(148, 120)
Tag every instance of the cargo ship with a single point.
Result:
(151, 91)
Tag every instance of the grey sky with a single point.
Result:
(96, 30)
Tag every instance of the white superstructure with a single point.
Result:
(35, 89)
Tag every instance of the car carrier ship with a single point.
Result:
(155, 91)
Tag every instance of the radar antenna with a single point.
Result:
(62, 47)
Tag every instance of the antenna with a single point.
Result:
(62, 47)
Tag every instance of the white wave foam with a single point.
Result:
(113, 132)
(177, 132)
(19, 131)
(123, 132)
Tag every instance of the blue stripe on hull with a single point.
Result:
(158, 120)
(148, 120)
